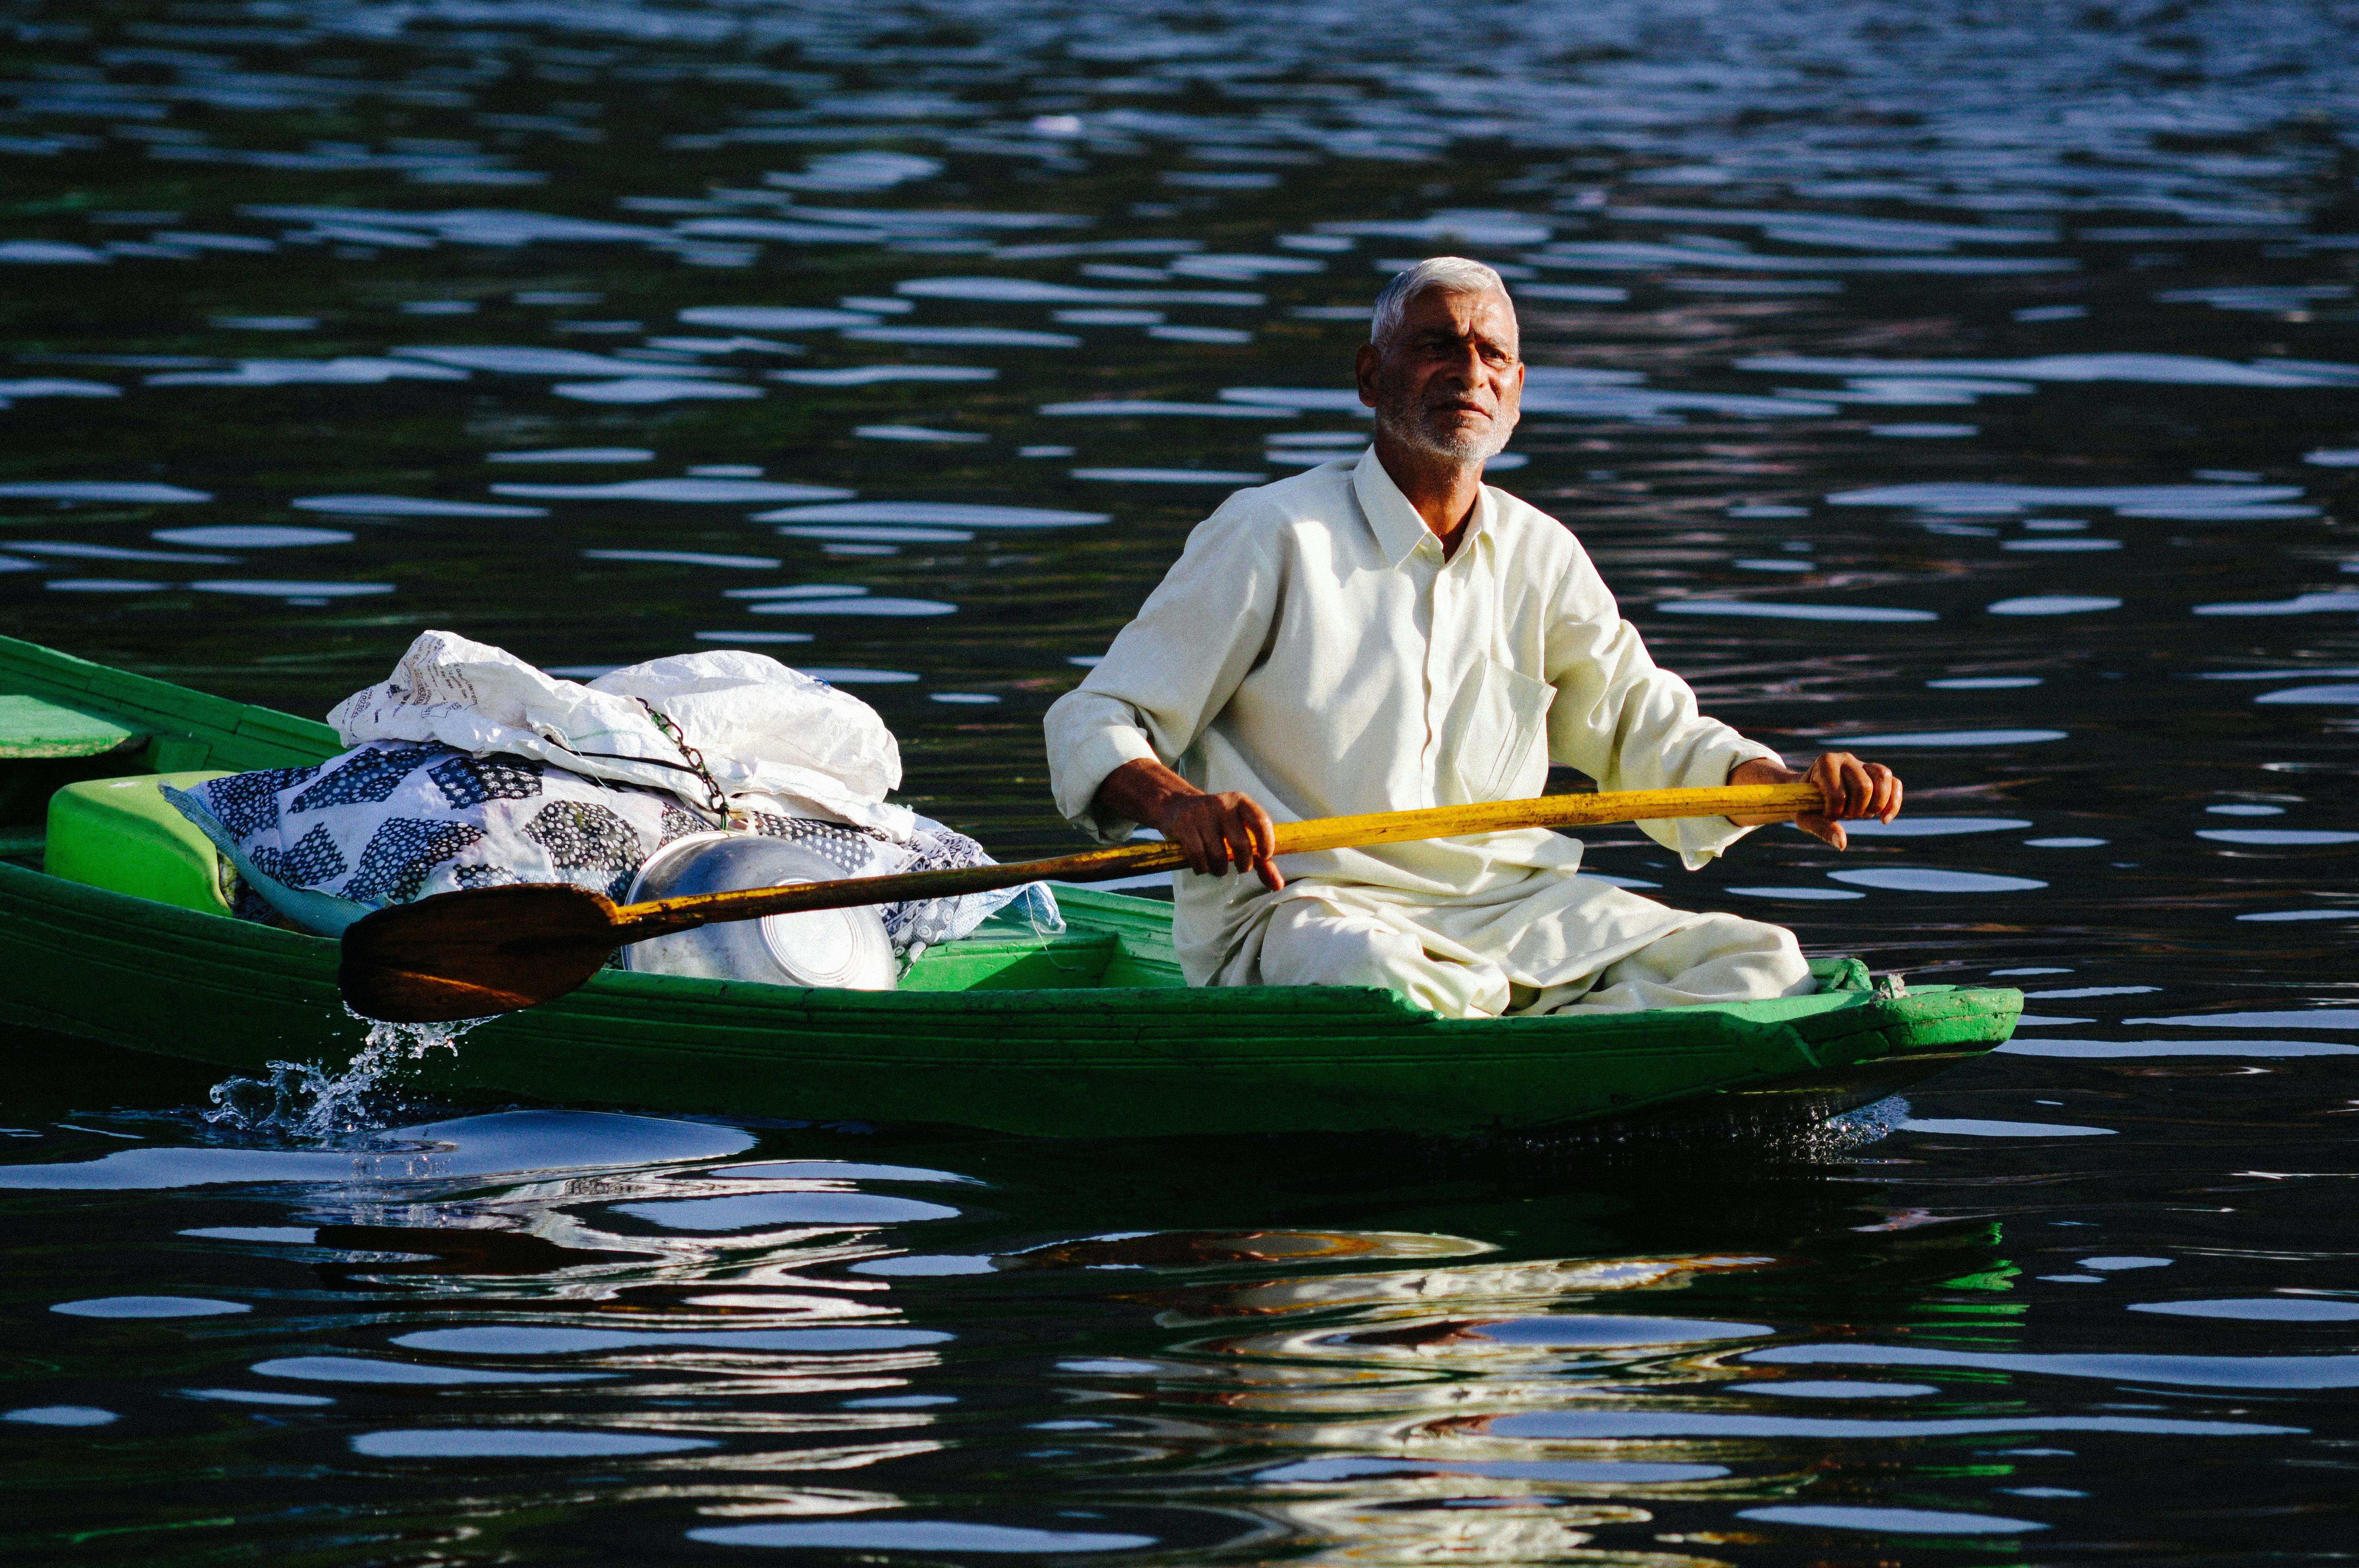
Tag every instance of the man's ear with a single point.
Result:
(1363, 368)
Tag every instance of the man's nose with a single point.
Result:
(1465, 366)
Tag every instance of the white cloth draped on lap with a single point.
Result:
(1317, 941)
(1313, 648)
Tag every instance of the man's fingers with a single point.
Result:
(1219, 834)
(1200, 833)
(1236, 828)
(1851, 788)
(1237, 834)
(1856, 789)
(1885, 803)
(1824, 827)
(1265, 839)
(1238, 838)
(1265, 831)
(1844, 783)
(1829, 779)
(1198, 846)
(1882, 793)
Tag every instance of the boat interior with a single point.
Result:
(83, 748)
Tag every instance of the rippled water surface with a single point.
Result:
(1975, 385)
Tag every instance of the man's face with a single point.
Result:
(1448, 381)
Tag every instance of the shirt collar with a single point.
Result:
(1395, 521)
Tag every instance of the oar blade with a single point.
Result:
(474, 954)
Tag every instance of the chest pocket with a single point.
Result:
(1497, 736)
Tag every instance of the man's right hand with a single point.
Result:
(1216, 832)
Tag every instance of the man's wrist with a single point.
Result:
(1762, 769)
(1146, 792)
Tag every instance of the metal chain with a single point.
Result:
(716, 798)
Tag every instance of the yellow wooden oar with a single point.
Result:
(493, 950)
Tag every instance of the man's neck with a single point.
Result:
(1441, 490)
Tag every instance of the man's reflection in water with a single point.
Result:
(1367, 1393)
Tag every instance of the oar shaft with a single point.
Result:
(1546, 811)
(637, 922)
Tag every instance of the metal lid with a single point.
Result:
(840, 949)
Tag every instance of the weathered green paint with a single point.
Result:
(1089, 1034)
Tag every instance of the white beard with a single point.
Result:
(1465, 447)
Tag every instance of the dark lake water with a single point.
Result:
(1976, 385)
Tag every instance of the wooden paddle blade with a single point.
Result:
(473, 954)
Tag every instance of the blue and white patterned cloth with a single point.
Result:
(391, 821)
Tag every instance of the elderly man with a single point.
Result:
(1386, 633)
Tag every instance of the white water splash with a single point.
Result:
(1868, 1124)
(303, 1102)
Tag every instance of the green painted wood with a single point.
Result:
(33, 728)
(230, 735)
(1057, 1062)
(1069, 961)
(1085, 1034)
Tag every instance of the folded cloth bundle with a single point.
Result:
(724, 728)
(412, 815)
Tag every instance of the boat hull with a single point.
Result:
(1068, 1061)
(1091, 1033)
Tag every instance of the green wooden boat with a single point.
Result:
(114, 930)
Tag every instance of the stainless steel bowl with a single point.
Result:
(846, 948)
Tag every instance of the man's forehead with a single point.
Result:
(1459, 312)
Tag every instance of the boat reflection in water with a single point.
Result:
(833, 1338)
(1366, 1396)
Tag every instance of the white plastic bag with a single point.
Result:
(773, 739)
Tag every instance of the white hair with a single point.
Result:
(1455, 273)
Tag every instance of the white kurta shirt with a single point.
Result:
(1313, 648)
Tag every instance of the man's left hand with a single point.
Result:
(1852, 789)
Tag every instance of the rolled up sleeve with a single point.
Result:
(1171, 671)
(1090, 735)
